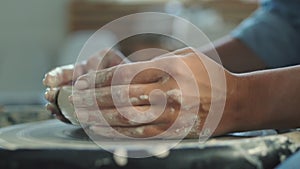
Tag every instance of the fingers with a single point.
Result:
(119, 96)
(124, 122)
(62, 75)
(104, 59)
(127, 95)
(122, 74)
(136, 132)
(111, 58)
(160, 128)
(51, 94)
(127, 116)
(55, 112)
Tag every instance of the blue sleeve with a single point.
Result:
(274, 35)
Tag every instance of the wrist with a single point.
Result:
(248, 106)
(239, 113)
(231, 117)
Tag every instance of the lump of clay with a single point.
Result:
(67, 109)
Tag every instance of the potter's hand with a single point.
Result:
(65, 75)
(163, 90)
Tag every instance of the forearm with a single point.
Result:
(236, 56)
(269, 99)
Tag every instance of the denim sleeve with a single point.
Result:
(274, 39)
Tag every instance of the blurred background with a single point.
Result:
(38, 35)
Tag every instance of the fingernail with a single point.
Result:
(50, 95)
(47, 95)
(81, 84)
(47, 105)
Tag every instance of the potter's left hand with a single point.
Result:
(66, 75)
(164, 89)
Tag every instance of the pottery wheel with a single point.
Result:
(53, 143)
(45, 134)
(57, 135)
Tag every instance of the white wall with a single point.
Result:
(31, 32)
